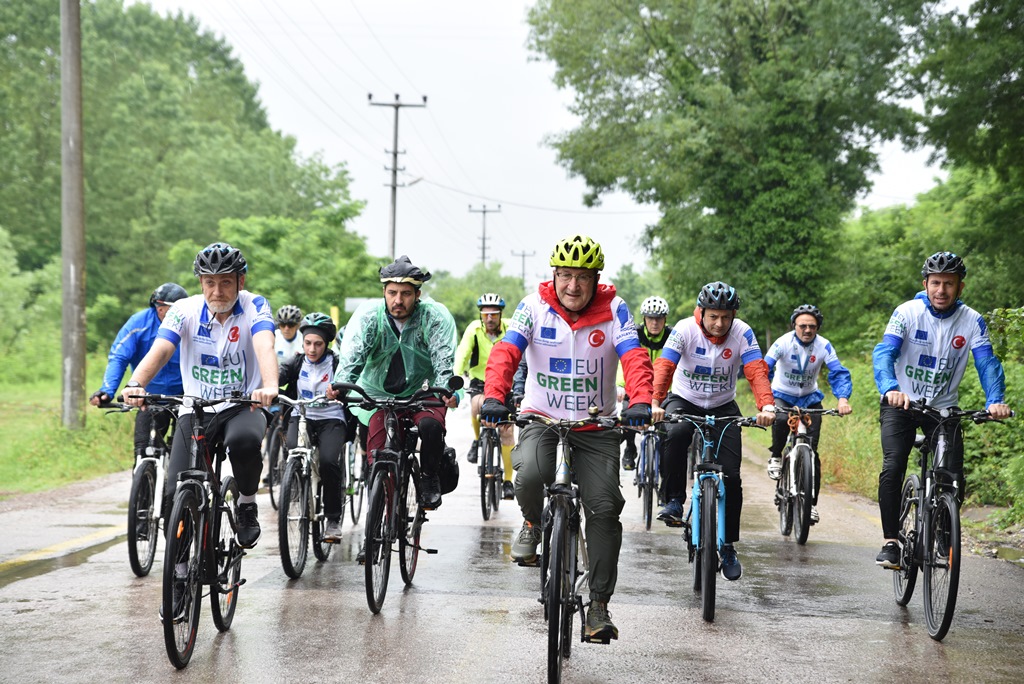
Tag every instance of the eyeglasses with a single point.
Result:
(490, 315)
(807, 327)
(581, 278)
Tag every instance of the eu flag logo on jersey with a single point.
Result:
(926, 361)
(203, 331)
(306, 394)
(921, 335)
(209, 360)
(547, 333)
(701, 351)
(563, 366)
(702, 370)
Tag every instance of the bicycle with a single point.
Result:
(491, 473)
(564, 563)
(648, 472)
(202, 535)
(794, 490)
(704, 522)
(275, 454)
(145, 502)
(929, 533)
(301, 511)
(356, 490)
(393, 511)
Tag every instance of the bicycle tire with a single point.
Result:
(293, 519)
(709, 544)
(554, 596)
(226, 558)
(410, 517)
(318, 525)
(377, 541)
(486, 474)
(694, 550)
(647, 446)
(784, 496)
(184, 545)
(942, 565)
(357, 476)
(142, 513)
(802, 464)
(569, 597)
(693, 454)
(277, 456)
(904, 579)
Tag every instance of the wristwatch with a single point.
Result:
(133, 383)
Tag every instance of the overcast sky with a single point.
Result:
(478, 142)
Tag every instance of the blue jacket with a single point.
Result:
(132, 343)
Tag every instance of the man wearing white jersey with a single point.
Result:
(923, 355)
(794, 361)
(226, 336)
(701, 364)
(573, 332)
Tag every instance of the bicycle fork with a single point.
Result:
(693, 517)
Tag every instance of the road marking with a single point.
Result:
(56, 549)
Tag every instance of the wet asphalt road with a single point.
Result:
(71, 609)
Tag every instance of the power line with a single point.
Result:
(483, 235)
(396, 105)
(590, 212)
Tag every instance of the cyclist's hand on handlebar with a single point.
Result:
(766, 416)
(493, 412)
(452, 401)
(265, 396)
(657, 413)
(897, 398)
(637, 415)
(844, 407)
(99, 398)
(999, 411)
(131, 395)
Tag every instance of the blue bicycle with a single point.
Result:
(705, 519)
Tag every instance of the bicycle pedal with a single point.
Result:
(673, 523)
(603, 639)
(524, 563)
(430, 551)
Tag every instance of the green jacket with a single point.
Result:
(475, 348)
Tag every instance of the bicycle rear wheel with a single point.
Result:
(226, 558)
(904, 579)
(410, 517)
(647, 446)
(321, 548)
(942, 565)
(357, 476)
(783, 499)
(143, 520)
(802, 476)
(709, 547)
(554, 598)
(182, 565)
(377, 541)
(486, 474)
(276, 453)
(293, 519)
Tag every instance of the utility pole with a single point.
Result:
(522, 255)
(396, 105)
(72, 209)
(483, 236)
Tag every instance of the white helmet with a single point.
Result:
(655, 307)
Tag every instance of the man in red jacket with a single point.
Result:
(573, 332)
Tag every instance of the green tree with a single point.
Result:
(750, 123)
(460, 294)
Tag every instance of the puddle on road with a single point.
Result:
(1010, 554)
(37, 568)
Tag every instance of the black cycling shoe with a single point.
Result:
(248, 532)
(473, 448)
(179, 599)
(430, 491)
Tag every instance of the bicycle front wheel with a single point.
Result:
(709, 546)
(182, 576)
(226, 558)
(293, 519)
(802, 476)
(411, 519)
(357, 476)
(143, 519)
(486, 473)
(555, 596)
(693, 454)
(318, 524)
(377, 541)
(904, 579)
(942, 565)
(647, 446)
(783, 498)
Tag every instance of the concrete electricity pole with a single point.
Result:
(522, 255)
(396, 105)
(72, 208)
(483, 236)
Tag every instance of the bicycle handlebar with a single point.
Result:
(190, 402)
(954, 413)
(426, 397)
(522, 419)
(739, 421)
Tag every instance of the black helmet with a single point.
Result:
(944, 262)
(718, 295)
(401, 270)
(167, 294)
(806, 309)
(289, 314)
(220, 257)
(321, 324)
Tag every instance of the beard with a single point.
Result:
(220, 308)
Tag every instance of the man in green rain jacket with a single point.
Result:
(391, 348)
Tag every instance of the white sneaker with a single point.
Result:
(774, 468)
(814, 515)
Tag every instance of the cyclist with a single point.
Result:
(653, 333)
(309, 374)
(392, 347)
(573, 332)
(700, 364)
(287, 341)
(923, 355)
(471, 356)
(800, 355)
(226, 335)
(130, 346)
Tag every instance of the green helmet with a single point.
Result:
(578, 251)
(319, 323)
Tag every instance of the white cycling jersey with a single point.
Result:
(217, 358)
(706, 373)
(797, 365)
(314, 379)
(286, 349)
